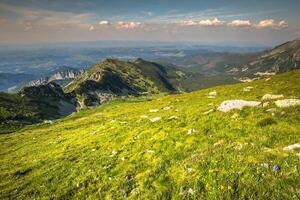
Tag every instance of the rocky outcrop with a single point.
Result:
(57, 76)
(229, 105)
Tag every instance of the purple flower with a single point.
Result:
(276, 168)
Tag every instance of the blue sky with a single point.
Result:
(207, 22)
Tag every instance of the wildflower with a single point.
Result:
(276, 168)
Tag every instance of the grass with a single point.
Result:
(114, 151)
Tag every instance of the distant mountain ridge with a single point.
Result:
(282, 58)
(65, 75)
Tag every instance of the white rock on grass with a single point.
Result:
(191, 131)
(228, 105)
(153, 110)
(209, 111)
(272, 96)
(287, 103)
(144, 116)
(271, 110)
(292, 147)
(212, 93)
(172, 117)
(191, 191)
(155, 119)
(167, 108)
(248, 89)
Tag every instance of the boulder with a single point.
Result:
(229, 105)
(272, 96)
(287, 103)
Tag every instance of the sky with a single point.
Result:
(216, 22)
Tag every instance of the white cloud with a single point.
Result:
(206, 22)
(266, 23)
(209, 22)
(92, 28)
(271, 23)
(104, 22)
(240, 23)
(129, 25)
(187, 23)
(283, 24)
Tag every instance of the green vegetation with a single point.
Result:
(115, 151)
(32, 105)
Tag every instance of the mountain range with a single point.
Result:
(67, 90)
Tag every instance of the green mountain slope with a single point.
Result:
(172, 147)
(33, 104)
(114, 77)
(280, 59)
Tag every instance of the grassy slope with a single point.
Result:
(224, 158)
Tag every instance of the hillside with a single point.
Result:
(113, 77)
(282, 58)
(32, 105)
(171, 147)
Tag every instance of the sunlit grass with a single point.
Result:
(115, 151)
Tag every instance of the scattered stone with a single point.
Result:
(189, 170)
(150, 151)
(265, 73)
(176, 110)
(113, 153)
(48, 121)
(209, 111)
(123, 158)
(144, 116)
(265, 165)
(79, 185)
(276, 168)
(123, 122)
(272, 96)
(172, 117)
(248, 80)
(248, 89)
(135, 190)
(106, 166)
(153, 110)
(287, 103)
(271, 110)
(191, 131)
(265, 104)
(93, 150)
(292, 147)
(167, 108)
(212, 93)
(237, 104)
(155, 119)
(191, 191)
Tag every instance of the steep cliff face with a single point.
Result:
(64, 76)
